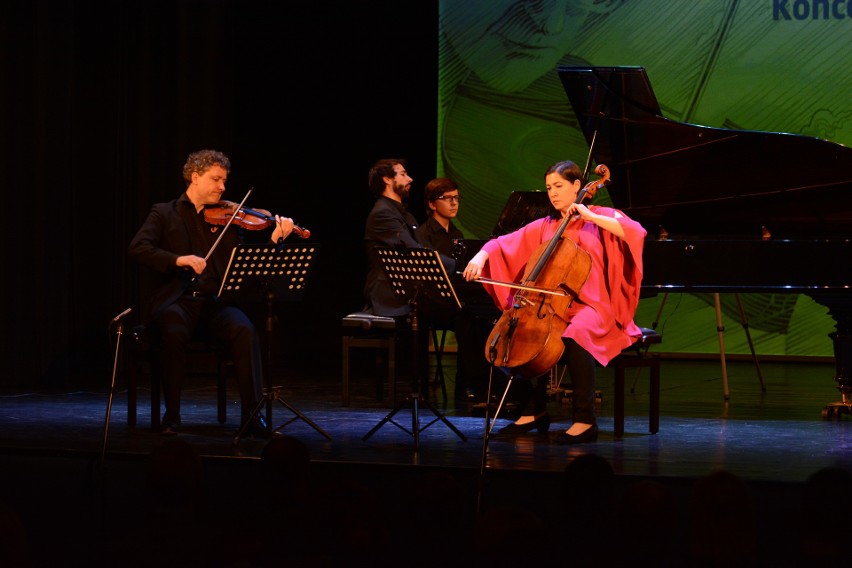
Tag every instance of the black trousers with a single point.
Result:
(531, 394)
(189, 318)
(473, 325)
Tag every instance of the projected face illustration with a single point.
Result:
(510, 43)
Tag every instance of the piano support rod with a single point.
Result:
(750, 343)
(720, 329)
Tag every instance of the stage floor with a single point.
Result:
(776, 435)
(55, 444)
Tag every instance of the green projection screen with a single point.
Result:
(768, 65)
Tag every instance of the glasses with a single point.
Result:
(448, 198)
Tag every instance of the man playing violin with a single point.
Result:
(600, 319)
(178, 243)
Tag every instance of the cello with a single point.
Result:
(528, 336)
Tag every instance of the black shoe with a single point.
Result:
(170, 424)
(542, 424)
(590, 435)
(467, 396)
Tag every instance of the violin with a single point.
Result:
(251, 219)
(528, 336)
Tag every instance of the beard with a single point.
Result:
(402, 191)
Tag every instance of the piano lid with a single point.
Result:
(698, 180)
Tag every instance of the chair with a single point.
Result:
(636, 357)
(144, 353)
(365, 330)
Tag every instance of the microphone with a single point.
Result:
(120, 316)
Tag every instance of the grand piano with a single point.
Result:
(726, 210)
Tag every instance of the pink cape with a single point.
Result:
(601, 317)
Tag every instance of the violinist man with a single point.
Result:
(175, 241)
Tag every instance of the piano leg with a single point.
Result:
(841, 311)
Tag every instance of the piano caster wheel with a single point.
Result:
(836, 411)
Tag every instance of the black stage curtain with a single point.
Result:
(102, 101)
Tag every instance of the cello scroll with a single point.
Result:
(590, 189)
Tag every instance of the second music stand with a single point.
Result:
(416, 274)
(274, 272)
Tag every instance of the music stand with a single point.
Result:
(416, 273)
(273, 272)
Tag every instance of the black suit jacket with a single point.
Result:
(389, 224)
(174, 229)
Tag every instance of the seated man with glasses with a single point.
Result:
(438, 232)
(442, 204)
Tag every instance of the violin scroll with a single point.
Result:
(301, 233)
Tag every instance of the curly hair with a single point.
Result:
(202, 160)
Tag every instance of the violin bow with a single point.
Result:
(228, 224)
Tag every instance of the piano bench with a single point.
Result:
(637, 356)
(365, 330)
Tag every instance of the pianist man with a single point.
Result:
(470, 326)
(391, 224)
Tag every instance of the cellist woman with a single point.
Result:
(600, 319)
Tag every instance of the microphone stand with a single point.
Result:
(489, 422)
(117, 321)
(492, 357)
